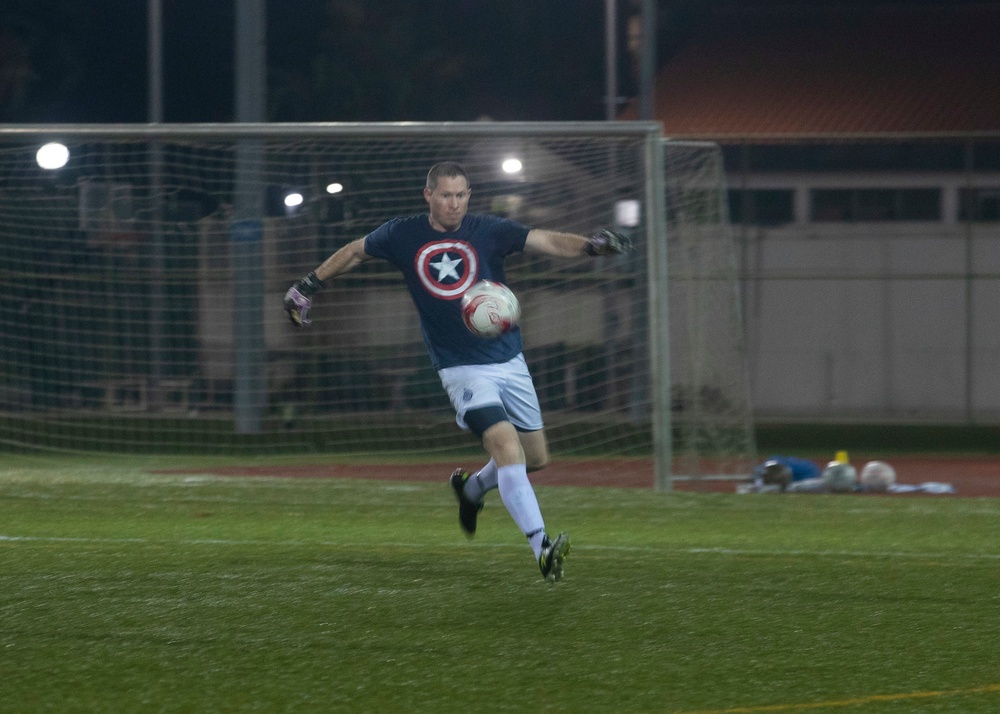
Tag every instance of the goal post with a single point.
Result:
(141, 311)
(130, 290)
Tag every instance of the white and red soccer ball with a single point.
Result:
(878, 476)
(490, 309)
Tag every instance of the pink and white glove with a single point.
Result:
(298, 299)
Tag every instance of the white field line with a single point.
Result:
(756, 552)
(854, 702)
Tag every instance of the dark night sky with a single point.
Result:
(328, 60)
(341, 60)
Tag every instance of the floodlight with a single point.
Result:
(52, 156)
(628, 213)
(511, 166)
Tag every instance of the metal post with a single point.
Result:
(659, 319)
(970, 300)
(247, 229)
(154, 31)
(611, 58)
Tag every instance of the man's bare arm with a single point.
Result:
(556, 243)
(298, 299)
(572, 245)
(343, 261)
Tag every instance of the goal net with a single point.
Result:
(710, 388)
(141, 292)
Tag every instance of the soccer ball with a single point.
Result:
(839, 477)
(877, 476)
(490, 309)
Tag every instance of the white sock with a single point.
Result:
(479, 484)
(519, 498)
(536, 540)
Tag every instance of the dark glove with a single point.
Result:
(607, 242)
(298, 299)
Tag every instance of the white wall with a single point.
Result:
(874, 320)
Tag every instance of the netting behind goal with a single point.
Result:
(710, 389)
(141, 311)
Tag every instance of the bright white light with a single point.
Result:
(52, 156)
(293, 199)
(334, 188)
(511, 166)
(628, 213)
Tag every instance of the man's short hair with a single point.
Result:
(445, 169)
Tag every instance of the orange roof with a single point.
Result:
(844, 71)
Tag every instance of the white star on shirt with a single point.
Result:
(446, 267)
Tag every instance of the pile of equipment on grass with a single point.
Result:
(789, 474)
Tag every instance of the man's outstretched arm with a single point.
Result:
(572, 245)
(298, 299)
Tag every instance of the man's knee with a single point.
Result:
(501, 443)
(536, 449)
(537, 463)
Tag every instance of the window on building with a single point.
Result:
(979, 204)
(869, 156)
(761, 207)
(920, 204)
(875, 204)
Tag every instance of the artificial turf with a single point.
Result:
(127, 590)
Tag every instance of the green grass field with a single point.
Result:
(126, 591)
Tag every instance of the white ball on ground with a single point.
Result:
(877, 476)
(840, 477)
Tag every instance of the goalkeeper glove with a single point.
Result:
(298, 299)
(606, 242)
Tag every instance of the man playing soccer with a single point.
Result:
(441, 255)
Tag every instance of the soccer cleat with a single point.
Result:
(550, 562)
(468, 510)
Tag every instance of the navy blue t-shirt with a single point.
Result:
(439, 268)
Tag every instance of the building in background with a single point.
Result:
(862, 151)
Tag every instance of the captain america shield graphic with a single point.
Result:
(447, 268)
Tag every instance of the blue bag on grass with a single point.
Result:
(801, 468)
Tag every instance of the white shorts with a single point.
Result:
(481, 385)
